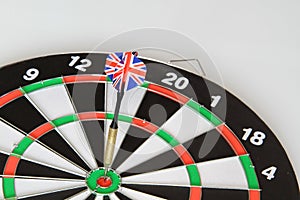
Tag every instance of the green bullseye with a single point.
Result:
(100, 184)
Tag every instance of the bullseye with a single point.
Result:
(101, 184)
(104, 182)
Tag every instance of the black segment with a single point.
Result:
(22, 114)
(95, 134)
(167, 192)
(106, 198)
(209, 146)
(27, 168)
(213, 194)
(156, 108)
(91, 197)
(3, 159)
(122, 197)
(270, 153)
(87, 96)
(199, 89)
(165, 160)
(49, 67)
(55, 141)
(134, 138)
(57, 195)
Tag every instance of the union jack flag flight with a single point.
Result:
(125, 70)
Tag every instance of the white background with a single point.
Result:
(255, 44)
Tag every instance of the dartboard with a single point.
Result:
(181, 136)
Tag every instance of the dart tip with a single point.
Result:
(105, 172)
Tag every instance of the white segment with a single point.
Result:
(136, 195)
(176, 176)
(10, 137)
(152, 147)
(26, 187)
(74, 135)
(122, 130)
(99, 197)
(130, 104)
(54, 102)
(226, 173)
(41, 154)
(113, 196)
(82, 195)
(186, 124)
(1, 190)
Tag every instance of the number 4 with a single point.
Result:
(269, 172)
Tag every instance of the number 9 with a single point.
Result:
(31, 74)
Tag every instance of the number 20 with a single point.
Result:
(172, 79)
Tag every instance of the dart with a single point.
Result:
(126, 72)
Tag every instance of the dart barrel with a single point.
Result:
(110, 146)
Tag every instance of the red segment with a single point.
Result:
(232, 139)
(168, 93)
(38, 132)
(104, 182)
(91, 115)
(127, 64)
(10, 97)
(151, 128)
(195, 193)
(254, 195)
(184, 155)
(11, 165)
(84, 78)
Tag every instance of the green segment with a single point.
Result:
(204, 112)
(108, 79)
(23, 145)
(250, 172)
(64, 120)
(9, 188)
(194, 175)
(122, 118)
(145, 85)
(42, 84)
(91, 181)
(167, 137)
(109, 116)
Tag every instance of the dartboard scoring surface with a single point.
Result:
(180, 137)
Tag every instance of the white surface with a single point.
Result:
(186, 124)
(112, 196)
(253, 43)
(1, 190)
(10, 137)
(53, 101)
(26, 187)
(226, 173)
